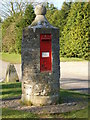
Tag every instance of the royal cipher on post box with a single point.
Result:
(40, 61)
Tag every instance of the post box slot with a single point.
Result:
(46, 40)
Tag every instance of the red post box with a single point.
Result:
(45, 53)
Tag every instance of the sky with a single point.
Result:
(57, 3)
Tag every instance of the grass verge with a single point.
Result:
(16, 58)
(72, 59)
(74, 114)
(11, 90)
(12, 58)
(8, 113)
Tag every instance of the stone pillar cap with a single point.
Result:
(40, 20)
(40, 10)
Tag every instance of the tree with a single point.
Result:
(11, 8)
(12, 29)
(75, 35)
(24, 21)
(29, 15)
(62, 23)
(0, 20)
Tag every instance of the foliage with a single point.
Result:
(63, 21)
(76, 31)
(12, 29)
(0, 20)
(29, 15)
(23, 21)
(72, 20)
(0, 37)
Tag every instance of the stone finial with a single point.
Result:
(40, 19)
(40, 10)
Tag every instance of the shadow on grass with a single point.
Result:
(11, 92)
(68, 96)
(10, 85)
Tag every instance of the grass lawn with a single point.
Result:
(72, 59)
(16, 58)
(10, 90)
(74, 114)
(7, 113)
(12, 58)
(77, 114)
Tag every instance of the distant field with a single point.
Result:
(16, 58)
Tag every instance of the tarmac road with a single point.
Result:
(74, 75)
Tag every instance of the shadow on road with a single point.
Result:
(72, 80)
(75, 84)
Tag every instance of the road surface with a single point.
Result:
(74, 75)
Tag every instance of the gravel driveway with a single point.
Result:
(74, 75)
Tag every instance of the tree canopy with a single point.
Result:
(72, 20)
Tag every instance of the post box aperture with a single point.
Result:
(45, 53)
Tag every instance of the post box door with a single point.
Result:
(45, 53)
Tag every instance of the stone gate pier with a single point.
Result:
(40, 61)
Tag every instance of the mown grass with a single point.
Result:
(8, 113)
(11, 90)
(74, 114)
(77, 114)
(12, 58)
(72, 96)
(16, 58)
(72, 59)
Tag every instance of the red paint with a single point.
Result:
(45, 53)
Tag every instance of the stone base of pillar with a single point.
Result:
(40, 100)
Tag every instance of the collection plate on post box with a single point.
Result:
(45, 54)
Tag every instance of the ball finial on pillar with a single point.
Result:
(40, 10)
